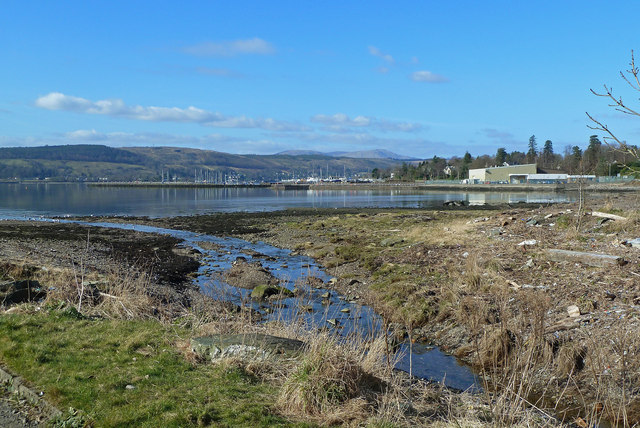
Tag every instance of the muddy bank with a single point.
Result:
(82, 249)
(480, 281)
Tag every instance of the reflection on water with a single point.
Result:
(78, 199)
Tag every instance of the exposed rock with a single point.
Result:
(390, 242)
(314, 281)
(265, 291)
(186, 252)
(573, 311)
(496, 232)
(529, 242)
(260, 346)
(251, 252)
(249, 275)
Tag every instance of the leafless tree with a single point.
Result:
(632, 77)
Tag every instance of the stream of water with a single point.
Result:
(318, 307)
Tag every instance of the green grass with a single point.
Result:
(87, 364)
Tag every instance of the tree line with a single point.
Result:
(598, 159)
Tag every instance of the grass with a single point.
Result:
(88, 363)
(490, 295)
(507, 303)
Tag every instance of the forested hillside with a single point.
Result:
(101, 163)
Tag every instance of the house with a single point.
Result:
(500, 174)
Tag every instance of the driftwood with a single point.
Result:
(607, 215)
(563, 325)
(591, 259)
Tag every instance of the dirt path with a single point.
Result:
(17, 414)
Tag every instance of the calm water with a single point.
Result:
(48, 199)
(51, 199)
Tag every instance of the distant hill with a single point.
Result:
(364, 154)
(98, 162)
(80, 152)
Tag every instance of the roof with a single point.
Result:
(547, 176)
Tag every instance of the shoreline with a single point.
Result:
(570, 187)
(410, 266)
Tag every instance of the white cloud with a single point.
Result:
(117, 108)
(86, 135)
(342, 123)
(255, 46)
(427, 76)
(378, 53)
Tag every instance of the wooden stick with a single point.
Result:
(607, 215)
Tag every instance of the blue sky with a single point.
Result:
(419, 78)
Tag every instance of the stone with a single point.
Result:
(345, 310)
(248, 275)
(265, 291)
(314, 281)
(390, 242)
(532, 222)
(573, 311)
(186, 252)
(250, 345)
(495, 232)
(454, 203)
(528, 242)
(325, 295)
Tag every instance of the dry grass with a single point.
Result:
(452, 230)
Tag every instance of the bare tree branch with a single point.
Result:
(631, 76)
